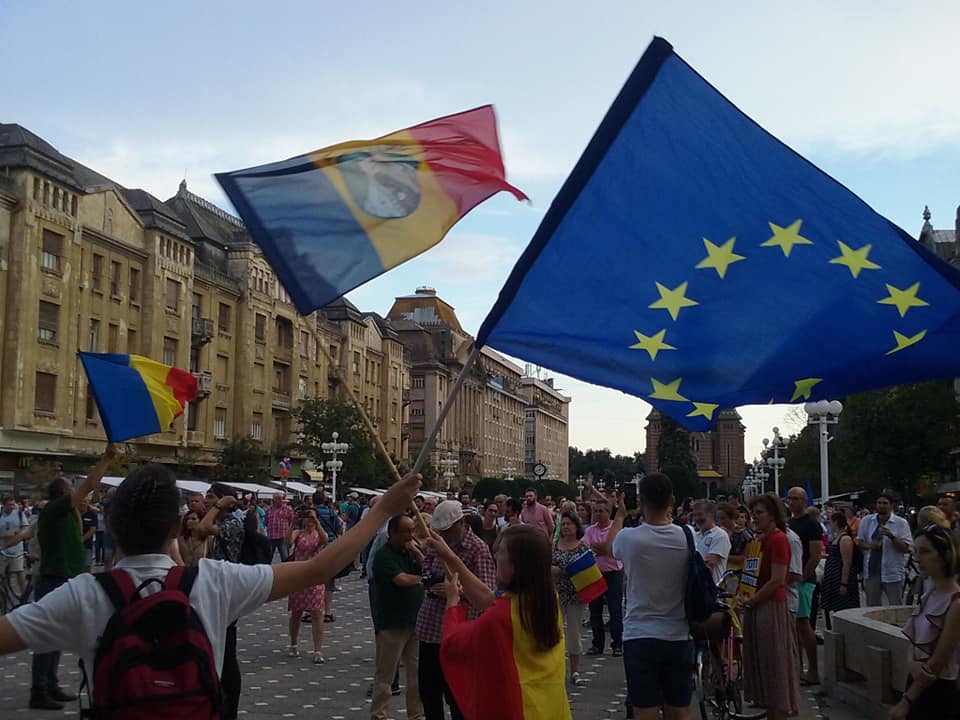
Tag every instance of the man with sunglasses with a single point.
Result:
(885, 540)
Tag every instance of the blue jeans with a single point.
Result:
(45, 665)
(613, 598)
(279, 544)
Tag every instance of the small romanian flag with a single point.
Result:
(586, 577)
(135, 395)
(334, 218)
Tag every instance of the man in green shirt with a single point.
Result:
(397, 570)
(61, 558)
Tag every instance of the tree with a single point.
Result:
(242, 461)
(673, 447)
(319, 419)
(607, 469)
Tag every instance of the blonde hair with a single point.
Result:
(932, 515)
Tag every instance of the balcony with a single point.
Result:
(332, 374)
(405, 429)
(204, 383)
(201, 331)
(405, 395)
(281, 400)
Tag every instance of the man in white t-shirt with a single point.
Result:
(794, 571)
(657, 649)
(712, 541)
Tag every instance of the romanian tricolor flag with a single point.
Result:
(586, 577)
(135, 395)
(494, 669)
(332, 219)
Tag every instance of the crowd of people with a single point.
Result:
(466, 595)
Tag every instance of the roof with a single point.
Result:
(342, 309)
(425, 308)
(385, 326)
(203, 219)
(153, 211)
(708, 474)
(20, 147)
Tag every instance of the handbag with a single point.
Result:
(701, 596)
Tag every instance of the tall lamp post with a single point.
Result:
(776, 462)
(333, 449)
(824, 413)
(508, 472)
(449, 464)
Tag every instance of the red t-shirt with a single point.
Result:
(776, 551)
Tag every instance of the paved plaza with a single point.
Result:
(277, 686)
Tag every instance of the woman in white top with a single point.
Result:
(144, 518)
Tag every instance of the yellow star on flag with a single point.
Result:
(803, 388)
(786, 238)
(704, 409)
(903, 342)
(667, 391)
(903, 299)
(719, 257)
(855, 260)
(672, 300)
(652, 343)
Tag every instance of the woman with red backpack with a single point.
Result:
(151, 635)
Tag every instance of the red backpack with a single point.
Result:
(154, 659)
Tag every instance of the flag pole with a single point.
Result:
(431, 439)
(372, 429)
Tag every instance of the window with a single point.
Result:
(114, 278)
(113, 338)
(220, 424)
(193, 415)
(97, 273)
(304, 343)
(281, 379)
(256, 427)
(173, 296)
(416, 412)
(284, 333)
(223, 318)
(169, 351)
(196, 310)
(52, 251)
(302, 389)
(393, 412)
(260, 328)
(134, 284)
(417, 382)
(93, 337)
(49, 322)
(356, 363)
(132, 348)
(44, 400)
(223, 369)
(91, 405)
(194, 359)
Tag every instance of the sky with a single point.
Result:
(149, 94)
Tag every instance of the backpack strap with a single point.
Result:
(688, 534)
(181, 578)
(118, 586)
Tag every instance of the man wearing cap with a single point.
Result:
(448, 522)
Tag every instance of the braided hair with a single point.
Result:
(146, 507)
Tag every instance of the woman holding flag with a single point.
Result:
(568, 548)
(521, 622)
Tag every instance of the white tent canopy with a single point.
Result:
(258, 490)
(366, 491)
(193, 486)
(299, 487)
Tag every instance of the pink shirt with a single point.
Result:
(538, 515)
(595, 535)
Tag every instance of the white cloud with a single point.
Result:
(472, 257)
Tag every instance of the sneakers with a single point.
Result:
(318, 659)
(42, 701)
(61, 695)
(595, 651)
(395, 689)
(576, 680)
(617, 652)
(294, 651)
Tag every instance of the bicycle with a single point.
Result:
(10, 599)
(718, 663)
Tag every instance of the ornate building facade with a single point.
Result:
(87, 263)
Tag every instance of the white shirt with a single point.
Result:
(74, 616)
(655, 563)
(12, 523)
(795, 568)
(892, 561)
(714, 541)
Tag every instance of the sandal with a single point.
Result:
(318, 658)
(294, 651)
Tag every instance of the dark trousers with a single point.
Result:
(613, 598)
(433, 687)
(279, 545)
(45, 665)
(98, 544)
(230, 679)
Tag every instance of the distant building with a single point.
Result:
(719, 452)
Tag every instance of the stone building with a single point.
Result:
(87, 263)
(719, 452)
(484, 435)
(546, 435)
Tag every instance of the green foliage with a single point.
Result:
(429, 474)
(242, 461)
(319, 419)
(606, 468)
(686, 482)
(897, 438)
(488, 488)
(673, 447)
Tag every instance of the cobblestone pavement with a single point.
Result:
(277, 686)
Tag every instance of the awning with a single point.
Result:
(299, 487)
(367, 491)
(708, 474)
(431, 494)
(257, 490)
(314, 476)
(192, 486)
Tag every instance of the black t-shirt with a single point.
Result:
(89, 520)
(809, 531)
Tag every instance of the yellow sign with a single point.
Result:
(750, 578)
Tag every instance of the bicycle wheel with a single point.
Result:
(701, 670)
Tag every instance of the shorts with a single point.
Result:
(659, 672)
(11, 564)
(805, 591)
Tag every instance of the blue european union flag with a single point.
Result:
(694, 260)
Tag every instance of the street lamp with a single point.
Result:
(449, 464)
(333, 449)
(824, 413)
(776, 462)
(508, 471)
